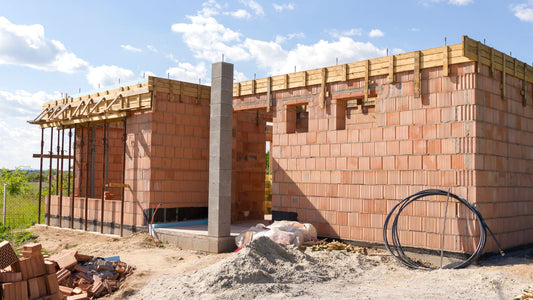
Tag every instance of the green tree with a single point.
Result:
(15, 180)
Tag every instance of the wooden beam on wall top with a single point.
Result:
(180, 99)
(268, 100)
(524, 86)
(416, 74)
(445, 61)
(253, 87)
(304, 74)
(391, 68)
(478, 57)
(492, 62)
(198, 93)
(344, 72)
(323, 88)
(286, 81)
(367, 67)
(502, 87)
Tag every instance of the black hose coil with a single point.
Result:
(397, 251)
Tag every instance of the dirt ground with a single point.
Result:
(167, 269)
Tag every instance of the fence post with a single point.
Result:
(4, 208)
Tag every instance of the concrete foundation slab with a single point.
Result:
(195, 237)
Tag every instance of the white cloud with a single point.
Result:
(523, 11)
(452, 2)
(239, 76)
(256, 7)
(152, 48)
(26, 45)
(284, 6)
(281, 39)
(397, 51)
(209, 39)
(239, 14)
(375, 33)
(130, 48)
(461, 2)
(20, 139)
(104, 75)
(414, 29)
(189, 72)
(350, 32)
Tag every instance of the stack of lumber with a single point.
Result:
(28, 277)
(67, 275)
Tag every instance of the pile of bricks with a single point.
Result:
(28, 277)
(67, 275)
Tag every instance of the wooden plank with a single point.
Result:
(323, 88)
(391, 69)
(269, 100)
(503, 77)
(344, 72)
(445, 61)
(478, 65)
(416, 75)
(524, 86)
(492, 68)
(367, 66)
(54, 156)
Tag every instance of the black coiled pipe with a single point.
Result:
(397, 251)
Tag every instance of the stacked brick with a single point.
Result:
(62, 276)
(28, 277)
(249, 162)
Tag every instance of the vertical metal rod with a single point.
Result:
(444, 229)
(50, 176)
(103, 178)
(68, 160)
(73, 181)
(41, 176)
(61, 156)
(4, 208)
(124, 140)
(87, 175)
(57, 165)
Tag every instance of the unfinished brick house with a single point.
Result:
(348, 142)
(142, 147)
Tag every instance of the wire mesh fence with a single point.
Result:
(20, 211)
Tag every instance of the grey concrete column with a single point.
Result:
(220, 146)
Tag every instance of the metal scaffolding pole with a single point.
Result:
(61, 156)
(124, 139)
(103, 178)
(87, 175)
(41, 176)
(73, 178)
(50, 176)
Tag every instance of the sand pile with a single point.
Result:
(262, 268)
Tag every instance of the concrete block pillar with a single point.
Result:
(220, 147)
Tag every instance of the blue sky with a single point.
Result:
(53, 47)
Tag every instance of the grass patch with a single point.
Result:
(16, 238)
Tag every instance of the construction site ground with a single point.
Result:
(373, 275)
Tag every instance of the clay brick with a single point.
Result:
(37, 287)
(50, 267)
(82, 296)
(7, 255)
(15, 290)
(52, 285)
(65, 290)
(66, 259)
(10, 276)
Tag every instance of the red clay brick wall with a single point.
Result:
(249, 162)
(180, 153)
(505, 160)
(345, 181)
